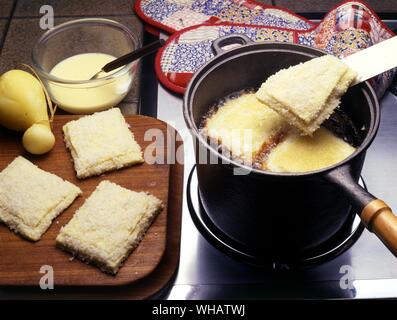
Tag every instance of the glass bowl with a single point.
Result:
(90, 35)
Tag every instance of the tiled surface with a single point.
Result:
(3, 23)
(24, 32)
(304, 6)
(31, 8)
(129, 107)
(269, 2)
(20, 38)
(5, 8)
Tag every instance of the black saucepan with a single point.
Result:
(280, 215)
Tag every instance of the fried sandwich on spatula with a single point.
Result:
(307, 94)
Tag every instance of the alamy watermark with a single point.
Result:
(348, 277)
(164, 148)
(47, 18)
(47, 280)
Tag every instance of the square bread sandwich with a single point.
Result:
(306, 94)
(109, 225)
(30, 198)
(101, 142)
(245, 126)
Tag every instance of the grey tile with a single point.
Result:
(3, 23)
(268, 2)
(304, 6)
(128, 108)
(5, 8)
(31, 8)
(383, 6)
(18, 43)
(133, 95)
(23, 33)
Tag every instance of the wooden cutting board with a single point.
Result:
(21, 260)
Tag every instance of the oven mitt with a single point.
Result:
(349, 27)
(174, 15)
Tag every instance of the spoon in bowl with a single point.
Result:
(130, 57)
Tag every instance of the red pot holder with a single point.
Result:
(174, 15)
(349, 27)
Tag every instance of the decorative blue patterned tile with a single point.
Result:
(250, 32)
(210, 7)
(301, 25)
(306, 39)
(269, 19)
(330, 46)
(223, 31)
(190, 57)
(160, 9)
(269, 34)
(259, 18)
(348, 41)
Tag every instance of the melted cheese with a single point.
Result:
(244, 125)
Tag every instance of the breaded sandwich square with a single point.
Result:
(109, 225)
(244, 126)
(307, 94)
(30, 198)
(101, 142)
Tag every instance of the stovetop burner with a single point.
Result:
(339, 243)
(206, 272)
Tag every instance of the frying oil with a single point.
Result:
(338, 138)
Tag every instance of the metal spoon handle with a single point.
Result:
(129, 57)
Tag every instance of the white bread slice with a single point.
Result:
(101, 142)
(306, 94)
(243, 125)
(109, 225)
(299, 153)
(30, 198)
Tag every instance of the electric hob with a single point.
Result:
(356, 266)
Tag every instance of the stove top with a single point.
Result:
(364, 270)
(332, 248)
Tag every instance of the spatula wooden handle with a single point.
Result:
(379, 218)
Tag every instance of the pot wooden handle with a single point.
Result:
(379, 218)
